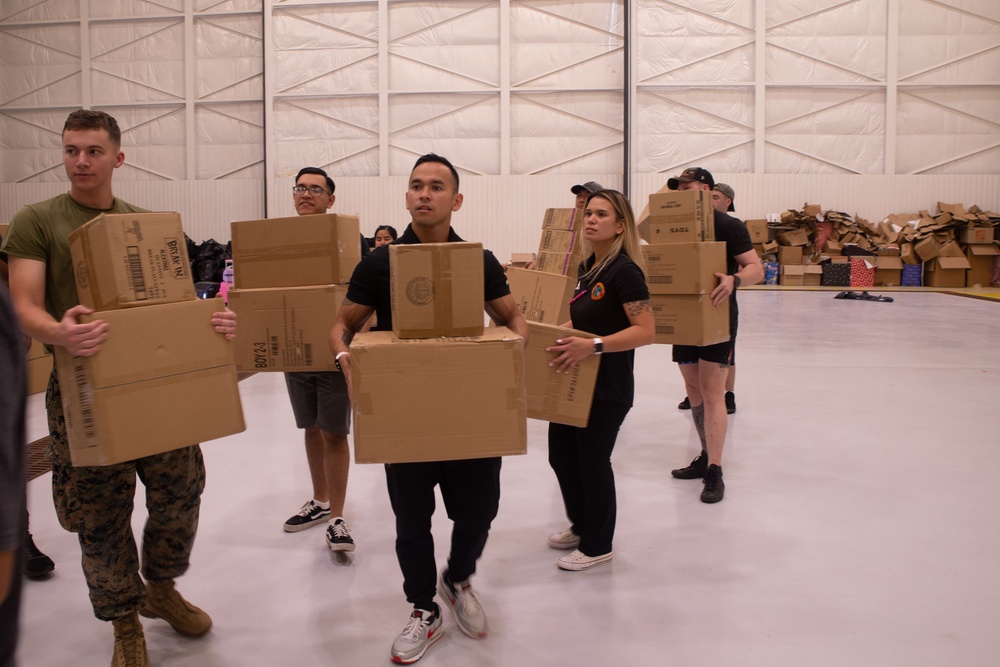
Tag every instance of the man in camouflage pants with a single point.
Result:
(96, 502)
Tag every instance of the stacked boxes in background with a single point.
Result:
(164, 378)
(681, 262)
(543, 294)
(290, 279)
(458, 393)
(39, 367)
(561, 248)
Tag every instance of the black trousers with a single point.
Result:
(581, 459)
(471, 493)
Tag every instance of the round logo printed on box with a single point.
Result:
(420, 291)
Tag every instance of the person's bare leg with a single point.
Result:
(731, 379)
(712, 379)
(337, 462)
(315, 455)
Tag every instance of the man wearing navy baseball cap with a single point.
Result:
(583, 191)
(706, 368)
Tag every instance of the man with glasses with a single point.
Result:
(321, 405)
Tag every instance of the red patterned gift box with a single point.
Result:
(862, 273)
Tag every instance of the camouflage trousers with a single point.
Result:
(96, 502)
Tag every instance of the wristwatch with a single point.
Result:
(598, 346)
(736, 281)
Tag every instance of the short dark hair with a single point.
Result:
(431, 157)
(88, 119)
(319, 172)
(391, 230)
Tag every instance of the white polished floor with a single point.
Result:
(859, 527)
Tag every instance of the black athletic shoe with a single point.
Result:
(685, 404)
(36, 564)
(694, 471)
(714, 486)
(730, 402)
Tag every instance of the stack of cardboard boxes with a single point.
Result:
(439, 386)
(290, 279)
(164, 378)
(681, 262)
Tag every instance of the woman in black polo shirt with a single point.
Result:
(611, 301)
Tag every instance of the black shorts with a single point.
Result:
(721, 353)
(320, 400)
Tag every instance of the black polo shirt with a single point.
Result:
(734, 233)
(597, 308)
(370, 284)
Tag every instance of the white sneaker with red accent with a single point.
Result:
(422, 630)
(462, 602)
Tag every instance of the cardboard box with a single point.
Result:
(770, 248)
(681, 216)
(38, 372)
(794, 237)
(36, 350)
(684, 268)
(788, 254)
(793, 275)
(973, 235)
(888, 271)
(541, 297)
(164, 379)
(557, 241)
(563, 398)
(290, 252)
(286, 328)
(812, 275)
(131, 259)
(563, 264)
(438, 399)
(927, 248)
(946, 272)
(437, 289)
(683, 319)
(758, 230)
(562, 218)
(521, 259)
(981, 258)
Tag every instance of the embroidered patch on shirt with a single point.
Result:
(597, 293)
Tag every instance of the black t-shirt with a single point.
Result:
(734, 233)
(600, 312)
(370, 282)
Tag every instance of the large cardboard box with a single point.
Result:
(286, 328)
(563, 263)
(981, 258)
(680, 216)
(437, 289)
(812, 275)
(563, 398)
(131, 259)
(758, 230)
(290, 252)
(888, 270)
(794, 237)
(973, 235)
(438, 399)
(946, 272)
(684, 268)
(557, 240)
(790, 254)
(689, 319)
(793, 275)
(542, 297)
(563, 218)
(163, 379)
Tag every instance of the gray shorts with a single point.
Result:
(320, 400)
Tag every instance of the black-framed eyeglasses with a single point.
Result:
(314, 190)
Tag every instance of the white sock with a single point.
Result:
(335, 519)
(323, 505)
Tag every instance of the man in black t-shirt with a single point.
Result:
(470, 488)
(705, 368)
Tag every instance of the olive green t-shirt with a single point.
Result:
(41, 231)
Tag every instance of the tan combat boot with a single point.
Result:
(163, 601)
(130, 643)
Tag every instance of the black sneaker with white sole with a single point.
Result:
(338, 536)
(310, 515)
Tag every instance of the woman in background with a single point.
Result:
(384, 234)
(611, 301)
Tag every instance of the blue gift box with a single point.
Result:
(770, 273)
(912, 275)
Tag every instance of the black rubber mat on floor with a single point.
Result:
(38, 463)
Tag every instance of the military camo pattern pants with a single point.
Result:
(96, 502)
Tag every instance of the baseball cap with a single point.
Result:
(692, 174)
(728, 191)
(589, 186)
